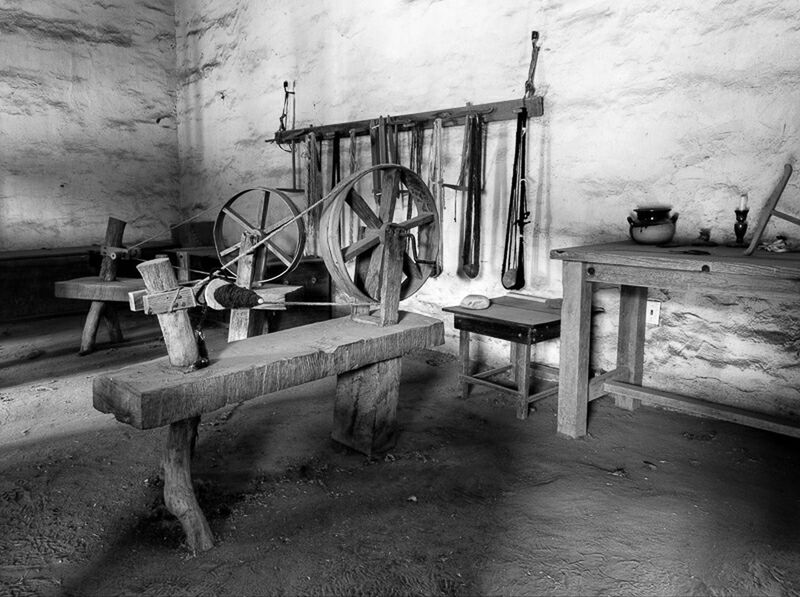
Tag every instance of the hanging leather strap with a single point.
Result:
(470, 251)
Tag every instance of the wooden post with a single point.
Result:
(394, 245)
(463, 358)
(573, 368)
(246, 323)
(521, 361)
(630, 342)
(179, 494)
(365, 409)
(108, 273)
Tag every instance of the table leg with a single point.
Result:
(521, 361)
(630, 343)
(573, 377)
(463, 357)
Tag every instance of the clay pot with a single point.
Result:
(653, 225)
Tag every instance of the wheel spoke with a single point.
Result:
(285, 258)
(229, 250)
(264, 210)
(362, 209)
(371, 239)
(418, 220)
(239, 219)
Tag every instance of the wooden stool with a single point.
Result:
(102, 291)
(521, 321)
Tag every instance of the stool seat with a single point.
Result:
(521, 321)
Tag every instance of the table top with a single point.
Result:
(724, 259)
(524, 312)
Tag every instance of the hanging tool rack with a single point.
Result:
(490, 112)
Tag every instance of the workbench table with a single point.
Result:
(521, 321)
(635, 268)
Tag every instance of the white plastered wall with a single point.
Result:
(87, 121)
(686, 103)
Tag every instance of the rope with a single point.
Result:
(171, 228)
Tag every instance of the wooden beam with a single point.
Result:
(92, 288)
(176, 327)
(153, 394)
(703, 408)
(491, 112)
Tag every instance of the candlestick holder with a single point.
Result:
(740, 227)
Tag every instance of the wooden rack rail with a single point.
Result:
(492, 112)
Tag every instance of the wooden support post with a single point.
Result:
(521, 362)
(389, 275)
(179, 495)
(573, 368)
(463, 357)
(630, 342)
(182, 257)
(365, 410)
(108, 273)
(246, 323)
(392, 273)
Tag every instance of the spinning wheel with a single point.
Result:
(356, 263)
(257, 212)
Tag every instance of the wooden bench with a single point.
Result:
(365, 358)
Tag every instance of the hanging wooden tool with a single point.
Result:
(471, 247)
(435, 184)
(513, 271)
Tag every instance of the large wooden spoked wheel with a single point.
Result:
(258, 211)
(352, 225)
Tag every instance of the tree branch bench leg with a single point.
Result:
(365, 409)
(179, 494)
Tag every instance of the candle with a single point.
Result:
(743, 202)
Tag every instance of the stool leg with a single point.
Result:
(463, 356)
(90, 327)
(521, 359)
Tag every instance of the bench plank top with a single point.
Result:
(92, 288)
(154, 394)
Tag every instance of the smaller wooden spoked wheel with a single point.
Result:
(258, 212)
(352, 231)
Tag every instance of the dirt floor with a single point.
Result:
(470, 501)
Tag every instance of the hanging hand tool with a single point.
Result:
(513, 273)
(435, 185)
(289, 94)
(470, 251)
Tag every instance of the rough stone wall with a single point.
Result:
(686, 103)
(87, 118)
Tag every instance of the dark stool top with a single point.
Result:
(511, 318)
